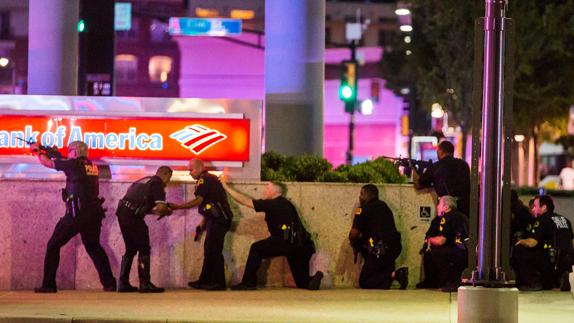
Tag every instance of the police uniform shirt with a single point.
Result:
(452, 226)
(449, 176)
(150, 187)
(542, 230)
(278, 212)
(375, 220)
(81, 177)
(564, 234)
(211, 190)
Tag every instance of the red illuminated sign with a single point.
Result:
(210, 139)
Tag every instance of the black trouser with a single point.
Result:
(443, 266)
(532, 267)
(135, 233)
(89, 227)
(136, 238)
(213, 268)
(564, 262)
(297, 256)
(377, 272)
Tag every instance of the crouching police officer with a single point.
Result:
(288, 238)
(375, 236)
(84, 214)
(533, 255)
(444, 253)
(146, 195)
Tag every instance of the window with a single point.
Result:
(126, 68)
(159, 68)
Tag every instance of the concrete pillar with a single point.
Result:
(53, 47)
(480, 304)
(294, 76)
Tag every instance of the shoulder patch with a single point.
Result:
(358, 211)
(91, 170)
(200, 181)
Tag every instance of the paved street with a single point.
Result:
(267, 305)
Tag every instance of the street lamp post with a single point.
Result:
(491, 302)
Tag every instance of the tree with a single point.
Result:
(442, 55)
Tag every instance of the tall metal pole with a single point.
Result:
(489, 240)
(493, 304)
(349, 155)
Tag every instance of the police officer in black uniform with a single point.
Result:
(444, 250)
(375, 236)
(84, 214)
(211, 200)
(534, 255)
(448, 176)
(288, 238)
(564, 252)
(146, 195)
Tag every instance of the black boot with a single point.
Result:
(402, 276)
(126, 266)
(146, 285)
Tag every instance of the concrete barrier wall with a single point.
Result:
(30, 210)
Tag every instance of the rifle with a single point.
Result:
(51, 152)
(409, 163)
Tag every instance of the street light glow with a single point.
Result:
(402, 12)
(437, 111)
(4, 61)
(406, 28)
(367, 107)
(519, 138)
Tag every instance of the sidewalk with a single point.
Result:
(266, 305)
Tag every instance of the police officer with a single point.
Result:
(444, 251)
(375, 236)
(84, 214)
(288, 238)
(146, 195)
(564, 252)
(448, 176)
(211, 200)
(534, 254)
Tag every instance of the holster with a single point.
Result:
(378, 249)
(215, 210)
(73, 206)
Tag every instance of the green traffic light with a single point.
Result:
(346, 92)
(81, 26)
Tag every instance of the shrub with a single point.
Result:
(308, 168)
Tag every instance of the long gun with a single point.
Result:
(49, 151)
(408, 164)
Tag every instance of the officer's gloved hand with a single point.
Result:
(162, 210)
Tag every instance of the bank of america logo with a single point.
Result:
(197, 138)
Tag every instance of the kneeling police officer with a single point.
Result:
(288, 238)
(375, 236)
(445, 255)
(146, 195)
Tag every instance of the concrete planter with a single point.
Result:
(32, 208)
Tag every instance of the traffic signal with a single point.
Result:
(348, 88)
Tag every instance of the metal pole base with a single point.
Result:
(480, 304)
